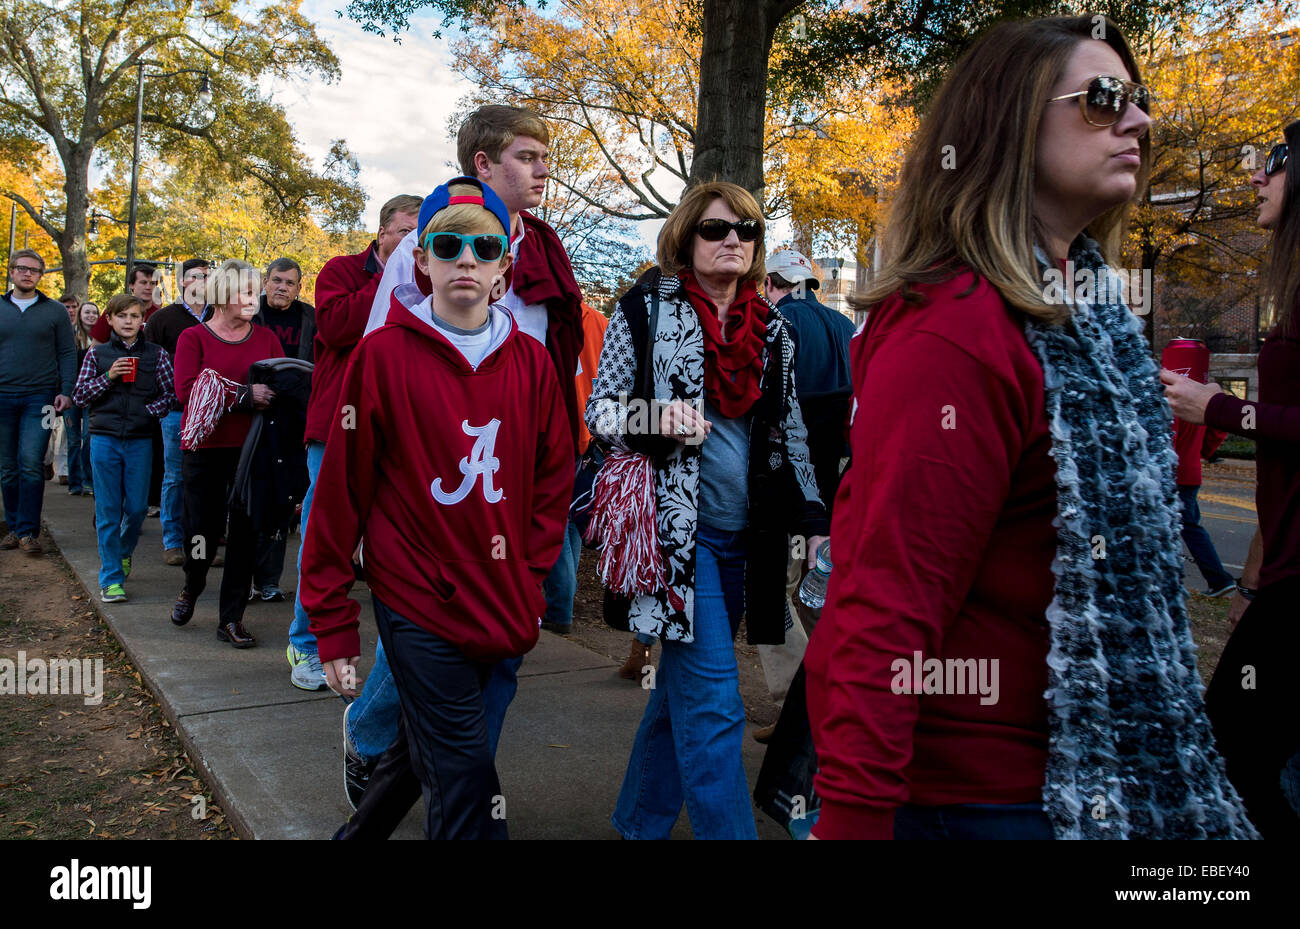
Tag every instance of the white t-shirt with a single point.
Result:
(473, 343)
(531, 317)
(24, 304)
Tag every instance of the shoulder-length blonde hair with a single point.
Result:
(677, 237)
(228, 280)
(980, 213)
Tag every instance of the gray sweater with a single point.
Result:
(37, 351)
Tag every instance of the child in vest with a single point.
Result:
(127, 385)
(453, 458)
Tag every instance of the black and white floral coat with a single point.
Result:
(782, 489)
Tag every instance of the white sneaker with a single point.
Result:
(307, 673)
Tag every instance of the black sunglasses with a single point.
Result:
(715, 230)
(1276, 159)
(1106, 99)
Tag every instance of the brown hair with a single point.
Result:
(27, 253)
(490, 130)
(80, 331)
(1282, 273)
(402, 203)
(677, 237)
(120, 303)
(989, 110)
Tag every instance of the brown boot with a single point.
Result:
(637, 659)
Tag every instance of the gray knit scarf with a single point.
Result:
(1131, 752)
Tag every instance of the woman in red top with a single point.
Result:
(229, 343)
(1004, 651)
(1252, 699)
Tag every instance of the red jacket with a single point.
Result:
(345, 288)
(942, 543)
(1192, 443)
(458, 479)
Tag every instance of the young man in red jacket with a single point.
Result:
(344, 289)
(456, 466)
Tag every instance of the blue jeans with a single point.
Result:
(561, 585)
(24, 436)
(372, 721)
(75, 422)
(688, 747)
(300, 636)
(121, 468)
(1198, 540)
(173, 498)
(973, 821)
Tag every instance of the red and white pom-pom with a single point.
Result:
(623, 515)
(210, 397)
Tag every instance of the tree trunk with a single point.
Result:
(72, 243)
(733, 90)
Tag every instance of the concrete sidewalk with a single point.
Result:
(273, 754)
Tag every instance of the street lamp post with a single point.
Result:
(205, 96)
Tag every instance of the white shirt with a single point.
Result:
(24, 304)
(531, 317)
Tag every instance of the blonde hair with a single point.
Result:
(677, 237)
(229, 279)
(467, 218)
(490, 129)
(988, 113)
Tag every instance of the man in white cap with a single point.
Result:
(821, 374)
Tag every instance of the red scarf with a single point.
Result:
(733, 360)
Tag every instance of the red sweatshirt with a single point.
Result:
(458, 479)
(1274, 423)
(345, 288)
(942, 543)
(199, 348)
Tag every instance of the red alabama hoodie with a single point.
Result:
(458, 479)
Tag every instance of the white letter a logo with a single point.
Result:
(480, 460)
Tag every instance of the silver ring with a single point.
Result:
(683, 429)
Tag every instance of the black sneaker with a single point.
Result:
(356, 773)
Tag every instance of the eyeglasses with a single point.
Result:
(715, 230)
(1276, 159)
(448, 246)
(1106, 100)
(28, 269)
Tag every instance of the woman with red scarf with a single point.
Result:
(732, 483)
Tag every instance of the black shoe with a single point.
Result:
(183, 609)
(356, 773)
(557, 628)
(236, 635)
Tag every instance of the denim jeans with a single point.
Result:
(23, 440)
(173, 497)
(121, 468)
(1199, 542)
(688, 747)
(561, 585)
(300, 636)
(75, 423)
(973, 821)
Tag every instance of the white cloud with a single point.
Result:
(391, 104)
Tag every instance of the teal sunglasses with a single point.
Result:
(448, 246)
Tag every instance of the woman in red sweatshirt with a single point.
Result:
(1252, 698)
(1004, 649)
(228, 344)
(454, 462)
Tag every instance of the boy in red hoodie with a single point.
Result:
(457, 469)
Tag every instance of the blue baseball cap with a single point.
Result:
(441, 198)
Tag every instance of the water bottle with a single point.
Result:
(812, 592)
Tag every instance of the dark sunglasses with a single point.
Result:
(1276, 159)
(448, 246)
(1105, 100)
(715, 230)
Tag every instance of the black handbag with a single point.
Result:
(593, 459)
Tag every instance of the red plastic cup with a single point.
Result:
(129, 376)
(1188, 357)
